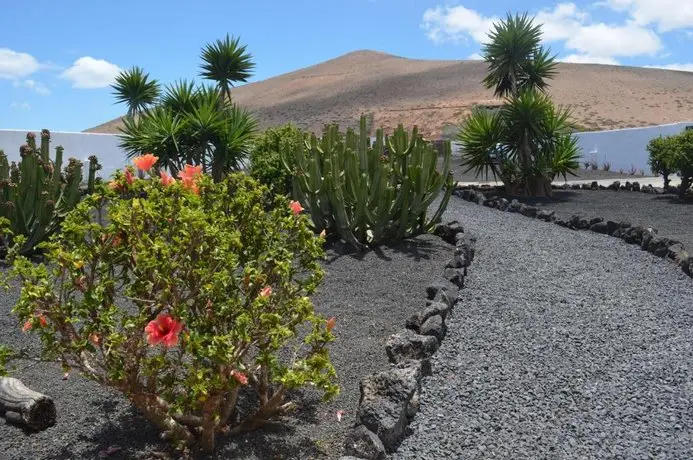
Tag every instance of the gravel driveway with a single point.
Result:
(567, 345)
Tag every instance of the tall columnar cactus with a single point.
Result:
(370, 193)
(34, 195)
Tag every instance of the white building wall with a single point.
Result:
(623, 148)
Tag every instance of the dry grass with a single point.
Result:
(433, 94)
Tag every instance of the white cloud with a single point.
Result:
(23, 105)
(39, 87)
(561, 23)
(588, 59)
(607, 40)
(667, 15)
(455, 23)
(682, 67)
(585, 39)
(14, 64)
(475, 57)
(87, 72)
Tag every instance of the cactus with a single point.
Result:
(367, 193)
(34, 195)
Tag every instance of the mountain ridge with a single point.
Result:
(435, 95)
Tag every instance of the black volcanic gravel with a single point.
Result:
(672, 217)
(566, 345)
(370, 295)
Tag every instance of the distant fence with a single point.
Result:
(622, 148)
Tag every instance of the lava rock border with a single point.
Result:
(646, 237)
(390, 399)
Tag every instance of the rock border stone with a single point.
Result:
(617, 185)
(390, 399)
(646, 237)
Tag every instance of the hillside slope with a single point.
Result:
(433, 94)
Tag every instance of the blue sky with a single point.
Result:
(58, 58)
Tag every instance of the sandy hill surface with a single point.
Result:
(435, 94)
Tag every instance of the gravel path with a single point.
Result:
(566, 345)
(370, 295)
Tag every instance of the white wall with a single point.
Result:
(77, 145)
(623, 148)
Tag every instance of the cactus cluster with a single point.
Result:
(369, 192)
(35, 195)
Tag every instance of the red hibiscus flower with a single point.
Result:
(164, 329)
(296, 207)
(145, 162)
(240, 377)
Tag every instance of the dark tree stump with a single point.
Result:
(19, 404)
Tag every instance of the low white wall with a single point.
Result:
(623, 148)
(77, 145)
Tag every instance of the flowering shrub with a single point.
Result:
(185, 295)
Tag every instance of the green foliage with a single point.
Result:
(265, 162)
(34, 195)
(682, 161)
(186, 124)
(516, 60)
(660, 150)
(528, 142)
(226, 62)
(134, 88)
(6, 354)
(369, 194)
(673, 154)
(228, 265)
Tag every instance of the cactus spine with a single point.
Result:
(34, 195)
(367, 193)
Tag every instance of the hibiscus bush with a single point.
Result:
(186, 295)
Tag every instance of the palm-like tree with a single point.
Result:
(134, 88)
(226, 62)
(516, 60)
(527, 143)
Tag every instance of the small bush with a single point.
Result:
(606, 166)
(587, 165)
(594, 165)
(682, 160)
(186, 296)
(661, 150)
(266, 165)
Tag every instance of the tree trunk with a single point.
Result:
(541, 187)
(21, 405)
(683, 188)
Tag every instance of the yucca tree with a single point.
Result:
(226, 62)
(190, 124)
(134, 88)
(527, 142)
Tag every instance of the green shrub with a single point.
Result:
(35, 194)
(369, 194)
(661, 150)
(266, 165)
(606, 166)
(682, 160)
(180, 293)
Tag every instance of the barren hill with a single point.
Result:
(436, 94)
